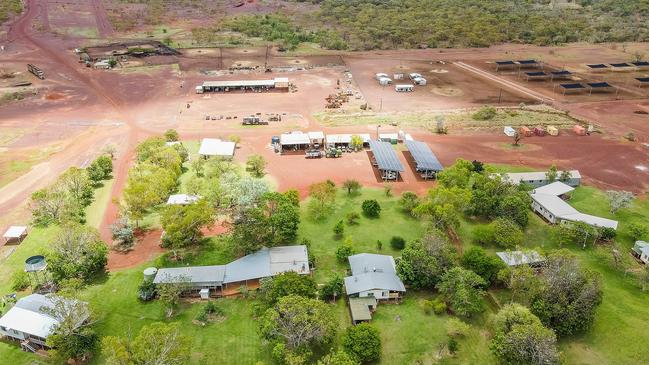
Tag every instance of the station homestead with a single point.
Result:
(272, 182)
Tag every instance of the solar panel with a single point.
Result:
(527, 62)
(598, 65)
(599, 84)
(572, 86)
(640, 63)
(561, 73)
(536, 73)
(385, 156)
(424, 157)
(622, 64)
(504, 62)
(642, 79)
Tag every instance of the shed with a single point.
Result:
(509, 131)
(404, 88)
(15, 234)
(559, 75)
(525, 132)
(641, 251)
(216, 147)
(385, 81)
(361, 309)
(379, 75)
(553, 131)
(642, 65)
(539, 131)
(579, 130)
(427, 163)
(295, 140)
(182, 199)
(316, 137)
(281, 82)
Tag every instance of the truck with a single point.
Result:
(36, 71)
(313, 153)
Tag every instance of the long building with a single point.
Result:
(232, 85)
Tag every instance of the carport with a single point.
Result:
(386, 160)
(427, 163)
(294, 141)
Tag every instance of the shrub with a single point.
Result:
(452, 345)
(171, 135)
(428, 306)
(332, 288)
(339, 229)
(363, 342)
(352, 218)
(146, 290)
(397, 243)
(19, 281)
(379, 245)
(439, 307)
(371, 208)
(409, 201)
(506, 233)
(638, 231)
(344, 251)
(387, 189)
(456, 328)
(483, 235)
(485, 113)
(607, 234)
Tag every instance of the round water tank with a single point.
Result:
(150, 272)
(35, 263)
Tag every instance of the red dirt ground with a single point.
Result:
(125, 107)
(145, 249)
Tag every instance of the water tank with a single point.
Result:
(149, 273)
(35, 264)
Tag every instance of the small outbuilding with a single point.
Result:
(553, 131)
(295, 140)
(182, 199)
(579, 130)
(15, 234)
(518, 258)
(509, 131)
(215, 147)
(525, 132)
(641, 251)
(404, 88)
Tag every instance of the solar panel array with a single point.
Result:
(424, 157)
(572, 86)
(599, 84)
(642, 79)
(621, 64)
(536, 73)
(527, 62)
(598, 65)
(640, 63)
(561, 73)
(385, 156)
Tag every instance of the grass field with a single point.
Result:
(409, 335)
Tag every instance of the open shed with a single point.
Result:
(427, 163)
(386, 160)
(294, 140)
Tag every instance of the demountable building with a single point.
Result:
(404, 88)
(182, 199)
(553, 131)
(15, 234)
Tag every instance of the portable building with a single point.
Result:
(539, 131)
(385, 81)
(414, 76)
(553, 131)
(509, 131)
(215, 147)
(525, 132)
(404, 88)
(420, 81)
(579, 130)
(641, 251)
(380, 75)
(15, 234)
(389, 137)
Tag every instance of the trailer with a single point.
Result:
(36, 71)
(404, 88)
(313, 153)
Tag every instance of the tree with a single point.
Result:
(299, 323)
(577, 233)
(146, 149)
(462, 290)
(397, 243)
(520, 338)
(352, 218)
(363, 342)
(521, 281)
(638, 231)
(423, 262)
(487, 266)
(157, 343)
(565, 176)
(506, 233)
(339, 229)
(352, 186)
(517, 138)
(333, 288)
(337, 358)
(345, 250)
(73, 337)
(77, 252)
(122, 233)
(75, 181)
(619, 199)
(569, 294)
(171, 135)
(109, 150)
(371, 208)
(53, 205)
(170, 290)
(409, 201)
(356, 142)
(323, 194)
(288, 283)
(515, 207)
(100, 169)
(147, 185)
(256, 165)
(183, 224)
(552, 174)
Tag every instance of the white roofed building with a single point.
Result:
(182, 199)
(216, 147)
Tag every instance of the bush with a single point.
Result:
(100, 169)
(485, 113)
(146, 290)
(344, 251)
(456, 328)
(363, 342)
(483, 235)
(428, 306)
(408, 202)
(339, 229)
(397, 243)
(607, 234)
(638, 231)
(452, 345)
(352, 218)
(506, 233)
(439, 307)
(333, 288)
(371, 208)
(19, 281)
(171, 135)
(379, 245)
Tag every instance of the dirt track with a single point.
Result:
(123, 108)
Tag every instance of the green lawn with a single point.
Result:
(95, 211)
(409, 335)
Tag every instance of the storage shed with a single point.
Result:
(525, 132)
(404, 88)
(553, 131)
(539, 131)
(216, 147)
(579, 130)
(15, 234)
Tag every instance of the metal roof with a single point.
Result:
(363, 263)
(516, 258)
(15, 232)
(556, 188)
(181, 199)
(216, 147)
(294, 138)
(373, 281)
(316, 135)
(527, 62)
(268, 262)
(509, 62)
(640, 63)
(424, 157)
(385, 156)
(360, 308)
(518, 177)
(346, 138)
(239, 83)
(560, 73)
(195, 274)
(30, 315)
